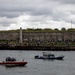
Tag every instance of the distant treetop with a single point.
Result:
(42, 30)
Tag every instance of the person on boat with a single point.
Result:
(10, 59)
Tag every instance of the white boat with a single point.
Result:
(49, 56)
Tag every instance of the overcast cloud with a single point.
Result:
(36, 14)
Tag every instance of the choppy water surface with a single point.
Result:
(38, 66)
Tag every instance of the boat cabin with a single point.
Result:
(48, 54)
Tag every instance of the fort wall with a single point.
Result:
(49, 36)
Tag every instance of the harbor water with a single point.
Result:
(39, 66)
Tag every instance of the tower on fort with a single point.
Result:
(21, 35)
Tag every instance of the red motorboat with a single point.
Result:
(12, 62)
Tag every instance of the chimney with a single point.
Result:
(20, 35)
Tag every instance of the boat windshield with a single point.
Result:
(47, 54)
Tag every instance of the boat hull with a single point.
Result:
(13, 63)
(41, 57)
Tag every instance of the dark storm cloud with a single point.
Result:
(65, 1)
(10, 8)
(14, 11)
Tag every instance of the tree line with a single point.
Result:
(42, 30)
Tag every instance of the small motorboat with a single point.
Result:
(11, 62)
(49, 56)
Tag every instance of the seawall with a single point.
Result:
(39, 48)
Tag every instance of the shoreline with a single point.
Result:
(38, 48)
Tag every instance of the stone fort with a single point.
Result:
(22, 36)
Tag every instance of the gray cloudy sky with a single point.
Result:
(37, 14)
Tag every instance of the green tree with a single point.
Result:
(63, 29)
(71, 29)
(56, 29)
